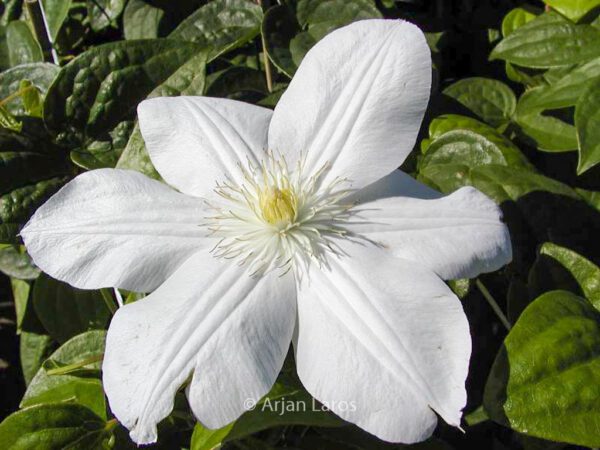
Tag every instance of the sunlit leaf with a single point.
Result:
(545, 380)
(54, 426)
(22, 46)
(587, 122)
(221, 25)
(91, 105)
(573, 9)
(491, 100)
(85, 390)
(550, 40)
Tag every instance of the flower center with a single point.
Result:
(278, 206)
(273, 217)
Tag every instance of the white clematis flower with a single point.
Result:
(290, 224)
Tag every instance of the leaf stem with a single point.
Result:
(74, 366)
(492, 302)
(109, 300)
(16, 94)
(266, 62)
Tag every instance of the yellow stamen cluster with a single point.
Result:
(278, 206)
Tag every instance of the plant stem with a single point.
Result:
(78, 365)
(266, 62)
(109, 300)
(492, 302)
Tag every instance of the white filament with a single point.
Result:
(246, 235)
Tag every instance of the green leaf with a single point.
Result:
(135, 156)
(476, 417)
(516, 18)
(287, 44)
(271, 100)
(189, 79)
(279, 28)
(206, 439)
(587, 122)
(141, 20)
(34, 348)
(564, 91)
(501, 183)
(40, 75)
(54, 426)
(31, 98)
(221, 26)
(22, 46)
(84, 390)
(321, 17)
(509, 183)
(26, 159)
(31, 169)
(546, 274)
(238, 83)
(4, 54)
(466, 158)
(451, 122)
(91, 105)
(567, 89)
(585, 272)
(286, 404)
(56, 12)
(545, 380)
(554, 74)
(17, 206)
(592, 198)
(104, 13)
(20, 292)
(473, 149)
(149, 19)
(8, 121)
(549, 40)
(66, 311)
(546, 132)
(335, 12)
(573, 9)
(16, 263)
(491, 100)
(520, 76)
(435, 41)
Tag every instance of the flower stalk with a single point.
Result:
(266, 62)
(493, 304)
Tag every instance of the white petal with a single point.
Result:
(457, 236)
(196, 141)
(382, 341)
(356, 101)
(212, 319)
(115, 228)
(396, 183)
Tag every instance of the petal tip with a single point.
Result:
(143, 435)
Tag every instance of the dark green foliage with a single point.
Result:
(514, 112)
